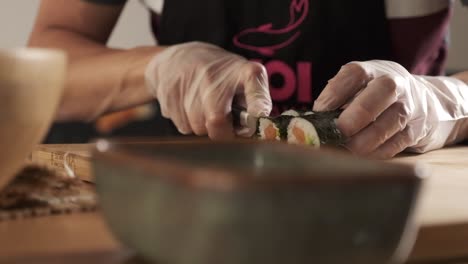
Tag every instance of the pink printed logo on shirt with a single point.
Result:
(279, 38)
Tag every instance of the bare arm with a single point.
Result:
(195, 82)
(100, 79)
(462, 76)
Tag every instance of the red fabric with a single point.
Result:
(419, 44)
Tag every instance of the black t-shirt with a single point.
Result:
(302, 43)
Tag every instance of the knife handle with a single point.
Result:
(241, 118)
(238, 116)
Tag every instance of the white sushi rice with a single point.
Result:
(263, 124)
(290, 113)
(311, 136)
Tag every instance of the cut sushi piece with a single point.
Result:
(267, 129)
(290, 112)
(317, 129)
(273, 128)
(302, 131)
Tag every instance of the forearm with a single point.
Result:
(462, 76)
(99, 79)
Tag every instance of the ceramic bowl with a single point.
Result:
(249, 202)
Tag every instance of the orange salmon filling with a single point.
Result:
(299, 135)
(270, 132)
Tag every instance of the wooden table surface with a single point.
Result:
(85, 238)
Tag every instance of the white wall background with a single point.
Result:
(458, 53)
(17, 18)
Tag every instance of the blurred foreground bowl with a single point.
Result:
(250, 203)
(31, 85)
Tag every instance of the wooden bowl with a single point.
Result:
(31, 85)
(250, 202)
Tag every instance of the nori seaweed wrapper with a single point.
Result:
(325, 115)
(324, 123)
(281, 122)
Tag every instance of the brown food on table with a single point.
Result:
(38, 191)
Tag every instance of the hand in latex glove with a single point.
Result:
(389, 110)
(195, 84)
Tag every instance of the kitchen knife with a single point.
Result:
(242, 119)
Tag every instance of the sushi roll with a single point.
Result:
(315, 130)
(273, 128)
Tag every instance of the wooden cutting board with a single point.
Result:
(443, 207)
(68, 159)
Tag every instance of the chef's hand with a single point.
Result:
(388, 110)
(195, 84)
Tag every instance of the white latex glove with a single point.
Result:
(388, 110)
(195, 84)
